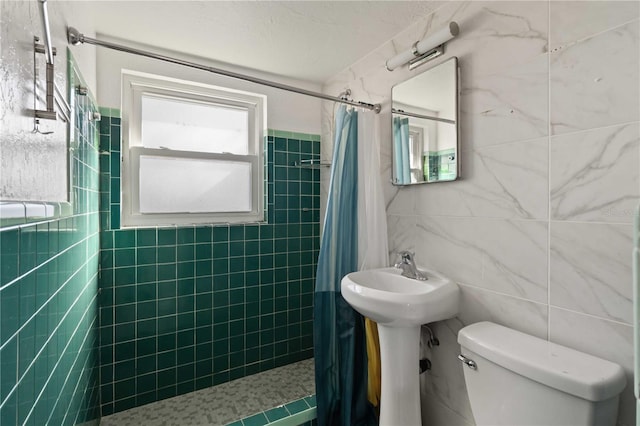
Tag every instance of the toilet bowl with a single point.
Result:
(513, 379)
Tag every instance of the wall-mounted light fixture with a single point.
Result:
(424, 50)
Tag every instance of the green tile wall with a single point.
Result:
(48, 301)
(183, 308)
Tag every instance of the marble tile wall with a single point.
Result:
(537, 232)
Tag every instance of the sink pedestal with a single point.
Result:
(400, 305)
(399, 359)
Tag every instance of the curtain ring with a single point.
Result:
(414, 49)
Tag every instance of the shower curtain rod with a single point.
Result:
(427, 117)
(75, 37)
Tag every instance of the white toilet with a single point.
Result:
(516, 379)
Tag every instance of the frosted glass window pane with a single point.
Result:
(180, 185)
(194, 126)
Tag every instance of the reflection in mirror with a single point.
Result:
(425, 126)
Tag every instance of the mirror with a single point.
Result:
(425, 126)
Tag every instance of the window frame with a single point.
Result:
(134, 86)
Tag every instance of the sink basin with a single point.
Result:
(400, 305)
(390, 299)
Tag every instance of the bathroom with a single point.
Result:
(537, 231)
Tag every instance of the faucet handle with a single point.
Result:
(406, 255)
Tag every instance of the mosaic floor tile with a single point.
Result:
(225, 403)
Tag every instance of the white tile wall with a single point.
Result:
(537, 232)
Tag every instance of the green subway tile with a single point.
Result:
(251, 248)
(236, 248)
(220, 334)
(236, 311)
(105, 122)
(266, 246)
(236, 233)
(266, 232)
(203, 251)
(306, 147)
(185, 269)
(236, 296)
(145, 237)
(252, 263)
(293, 145)
(125, 313)
(220, 234)
(146, 274)
(167, 271)
(186, 304)
(280, 144)
(146, 310)
(8, 366)
(106, 239)
(28, 249)
(166, 342)
(124, 238)
(236, 264)
(144, 255)
(124, 257)
(220, 298)
(167, 307)
(204, 234)
(276, 413)
(167, 289)
(280, 231)
(185, 252)
(115, 137)
(125, 332)
(203, 284)
(114, 189)
(252, 278)
(220, 266)
(220, 250)
(256, 420)
(166, 236)
(203, 267)
(166, 254)
(146, 292)
(251, 232)
(124, 276)
(42, 243)
(125, 294)
(124, 351)
(185, 235)
(280, 159)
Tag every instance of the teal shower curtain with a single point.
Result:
(402, 164)
(339, 339)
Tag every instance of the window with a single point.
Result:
(191, 153)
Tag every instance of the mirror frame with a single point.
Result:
(457, 123)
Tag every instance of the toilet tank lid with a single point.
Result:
(556, 366)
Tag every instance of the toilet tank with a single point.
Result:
(523, 380)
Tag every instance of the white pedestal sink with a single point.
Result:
(400, 305)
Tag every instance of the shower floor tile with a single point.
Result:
(225, 403)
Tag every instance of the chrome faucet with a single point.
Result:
(408, 266)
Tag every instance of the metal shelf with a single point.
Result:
(311, 164)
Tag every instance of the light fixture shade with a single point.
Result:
(423, 46)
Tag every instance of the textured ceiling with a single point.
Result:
(308, 40)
